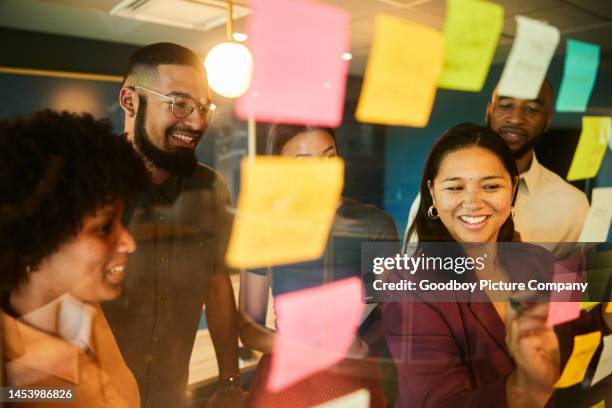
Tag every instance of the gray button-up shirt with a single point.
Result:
(181, 228)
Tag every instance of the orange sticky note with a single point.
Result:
(299, 75)
(399, 86)
(609, 308)
(285, 210)
(575, 369)
(316, 328)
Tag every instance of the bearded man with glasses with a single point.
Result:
(182, 227)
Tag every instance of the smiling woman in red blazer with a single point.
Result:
(470, 352)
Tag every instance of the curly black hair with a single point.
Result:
(57, 167)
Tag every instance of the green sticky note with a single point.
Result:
(591, 147)
(580, 72)
(471, 33)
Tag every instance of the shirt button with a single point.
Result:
(155, 339)
(161, 217)
(162, 300)
(149, 358)
(162, 259)
(202, 243)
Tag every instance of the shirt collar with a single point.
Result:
(531, 176)
(56, 356)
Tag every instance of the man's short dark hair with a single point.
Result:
(56, 169)
(145, 61)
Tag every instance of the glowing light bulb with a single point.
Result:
(229, 66)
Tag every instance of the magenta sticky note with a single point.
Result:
(564, 306)
(315, 329)
(299, 75)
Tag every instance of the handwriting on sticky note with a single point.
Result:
(357, 399)
(591, 147)
(579, 75)
(299, 75)
(604, 366)
(316, 327)
(597, 224)
(399, 85)
(471, 32)
(532, 50)
(585, 346)
(285, 210)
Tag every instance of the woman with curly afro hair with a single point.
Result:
(64, 184)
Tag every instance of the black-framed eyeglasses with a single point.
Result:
(183, 106)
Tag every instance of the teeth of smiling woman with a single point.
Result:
(183, 137)
(473, 220)
(116, 269)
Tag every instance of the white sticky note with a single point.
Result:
(533, 48)
(604, 367)
(357, 399)
(597, 224)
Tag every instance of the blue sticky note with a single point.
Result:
(580, 72)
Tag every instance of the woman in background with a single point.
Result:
(474, 352)
(64, 183)
(354, 223)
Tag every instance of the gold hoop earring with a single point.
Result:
(430, 213)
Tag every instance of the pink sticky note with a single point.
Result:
(564, 306)
(299, 75)
(315, 329)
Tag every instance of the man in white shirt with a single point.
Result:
(547, 208)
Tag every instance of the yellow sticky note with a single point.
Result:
(575, 369)
(285, 210)
(399, 86)
(471, 32)
(591, 147)
(609, 308)
(588, 305)
(600, 404)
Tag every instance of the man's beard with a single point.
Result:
(527, 146)
(182, 163)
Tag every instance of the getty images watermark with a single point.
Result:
(450, 272)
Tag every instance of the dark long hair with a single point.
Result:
(280, 134)
(459, 137)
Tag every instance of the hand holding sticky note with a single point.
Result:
(533, 48)
(471, 32)
(285, 210)
(316, 328)
(399, 86)
(584, 347)
(591, 147)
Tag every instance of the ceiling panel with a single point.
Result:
(565, 18)
(602, 8)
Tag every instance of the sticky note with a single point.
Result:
(609, 308)
(532, 50)
(471, 32)
(575, 369)
(604, 366)
(299, 75)
(357, 399)
(579, 75)
(285, 210)
(597, 224)
(588, 305)
(316, 328)
(600, 404)
(591, 147)
(561, 312)
(399, 85)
